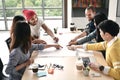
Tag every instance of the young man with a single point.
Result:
(89, 13)
(35, 25)
(99, 17)
(108, 31)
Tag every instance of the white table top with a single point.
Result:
(67, 58)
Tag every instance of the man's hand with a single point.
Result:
(94, 66)
(73, 40)
(71, 47)
(56, 39)
(72, 43)
(57, 46)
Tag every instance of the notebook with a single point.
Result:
(41, 73)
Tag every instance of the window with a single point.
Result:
(51, 11)
(118, 9)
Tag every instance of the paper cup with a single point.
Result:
(35, 68)
(79, 65)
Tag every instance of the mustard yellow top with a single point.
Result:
(112, 56)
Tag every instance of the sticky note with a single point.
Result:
(41, 73)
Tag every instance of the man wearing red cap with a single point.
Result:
(35, 25)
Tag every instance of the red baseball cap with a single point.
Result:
(28, 14)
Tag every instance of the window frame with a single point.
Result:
(43, 8)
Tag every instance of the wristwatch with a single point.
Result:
(101, 68)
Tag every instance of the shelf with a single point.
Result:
(79, 6)
(86, 3)
(80, 12)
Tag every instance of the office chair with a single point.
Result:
(8, 42)
(2, 76)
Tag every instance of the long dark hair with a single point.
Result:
(98, 18)
(21, 36)
(15, 19)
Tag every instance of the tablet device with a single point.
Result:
(86, 61)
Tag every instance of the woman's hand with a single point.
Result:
(28, 62)
(39, 41)
(57, 46)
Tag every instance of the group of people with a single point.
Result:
(105, 34)
(25, 38)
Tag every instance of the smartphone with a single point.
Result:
(86, 61)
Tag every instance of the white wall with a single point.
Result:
(118, 8)
(112, 9)
(69, 12)
(81, 21)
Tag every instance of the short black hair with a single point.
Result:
(91, 8)
(110, 27)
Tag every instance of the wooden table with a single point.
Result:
(67, 58)
(69, 72)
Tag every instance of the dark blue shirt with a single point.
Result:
(90, 27)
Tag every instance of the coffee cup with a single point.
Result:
(51, 71)
(35, 68)
(79, 65)
(72, 29)
(86, 72)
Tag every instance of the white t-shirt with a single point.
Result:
(35, 30)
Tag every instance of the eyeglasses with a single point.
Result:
(40, 66)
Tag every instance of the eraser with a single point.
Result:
(96, 75)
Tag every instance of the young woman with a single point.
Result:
(15, 20)
(35, 25)
(108, 31)
(21, 49)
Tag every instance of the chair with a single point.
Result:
(8, 42)
(2, 76)
(1, 68)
